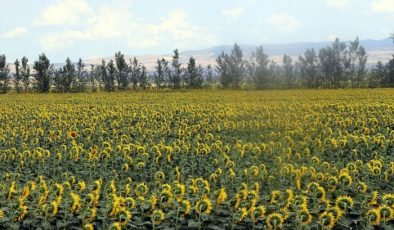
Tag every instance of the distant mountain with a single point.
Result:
(377, 50)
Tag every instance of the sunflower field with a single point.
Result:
(298, 159)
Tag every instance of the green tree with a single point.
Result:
(69, 75)
(17, 76)
(193, 77)
(159, 76)
(121, 71)
(143, 79)
(258, 68)
(4, 74)
(25, 74)
(309, 69)
(43, 73)
(231, 68)
(209, 77)
(175, 78)
(223, 68)
(288, 71)
(377, 75)
(108, 75)
(135, 72)
(332, 61)
(81, 81)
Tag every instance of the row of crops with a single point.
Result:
(316, 159)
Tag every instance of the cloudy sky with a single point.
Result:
(94, 28)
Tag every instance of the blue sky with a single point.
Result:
(94, 28)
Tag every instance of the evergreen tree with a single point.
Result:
(159, 75)
(17, 77)
(193, 76)
(25, 74)
(309, 69)
(43, 73)
(258, 68)
(175, 78)
(4, 74)
(135, 72)
(288, 71)
(121, 73)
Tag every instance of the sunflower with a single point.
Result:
(141, 189)
(72, 134)
(362, 187)
(124, 216)
(222, 197)
(157, 217)
(327, 220)
(1, 214)
(374, 198)
(241, 214)
(160, 176)
(304, 216)
(185, 207)
(388, 199)
(54, 210)
(274, 196)
(274, 220)
(373, 216)
(386, 213)
(116, 226)
(204, 206)
(21, 212)
(90, 214)
(76, 203)
(344, 202)
(88, 227)
(257, 212)
(346, 179)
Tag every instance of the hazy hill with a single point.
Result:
(377, 50)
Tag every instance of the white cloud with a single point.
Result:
(16, 32)
(233, 13)
(337, 4)
(65, 12)
(283, 22)
(382, 6)
(115, 21)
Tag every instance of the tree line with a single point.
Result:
(338, 65)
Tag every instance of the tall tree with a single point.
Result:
(135, 72)
(17, 76)
(389, 80)
(94, 76)
(332, 60)
(209, 76)
(143, 79)
(231, 68)
(4, 74)
(69, 73)
(193, 77)
(237, 66)
(258, 68)
(176, 73)
(378, 75)
(107, 75)
(25, 74)
(121, 71)
(223, 68)
(288, 71)
(309, 68)
(159, 76)
(43, 73)
(81, 81)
